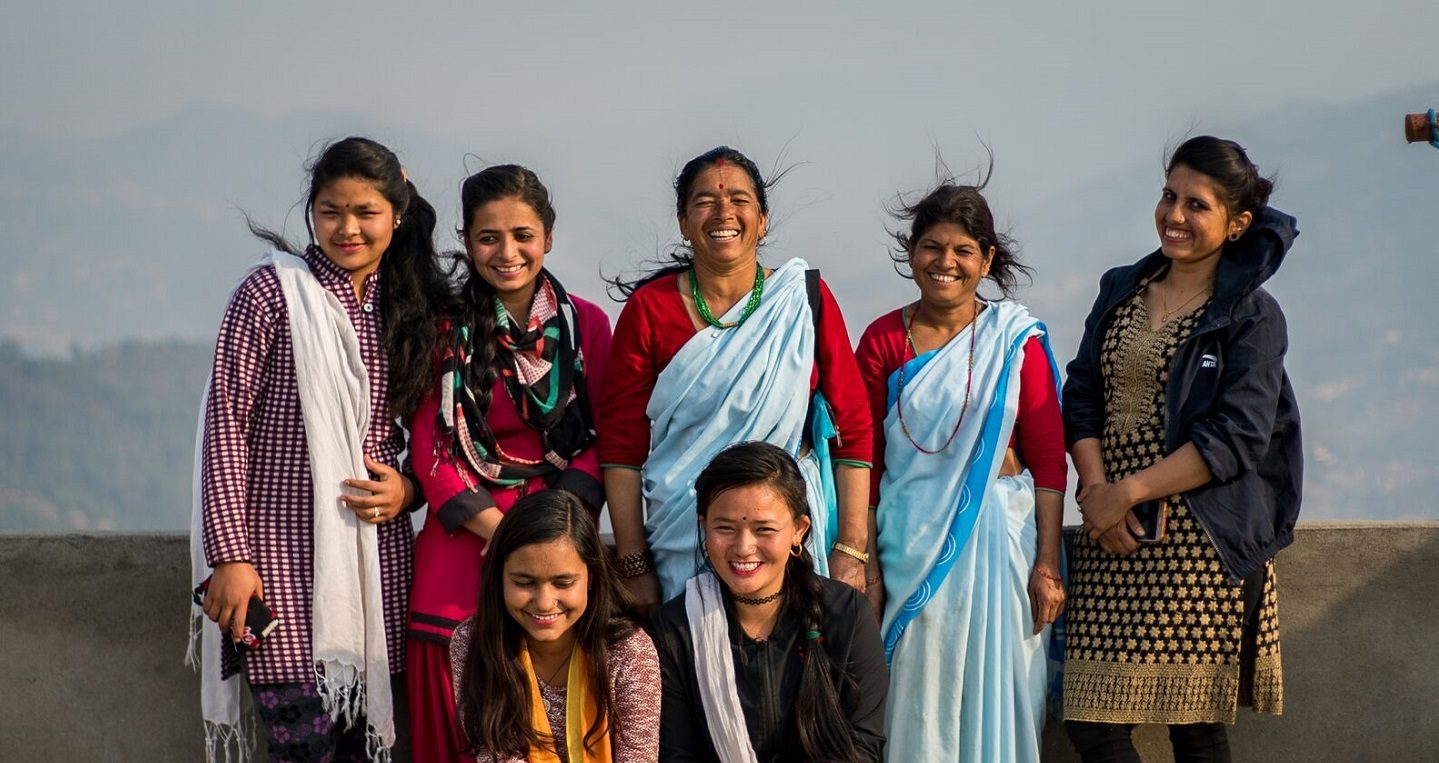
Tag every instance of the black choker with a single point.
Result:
(757, 602)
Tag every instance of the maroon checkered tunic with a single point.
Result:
(255, 481)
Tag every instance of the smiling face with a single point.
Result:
(507, 243)
(722, 217)
(947, 265)
(546, 590)
(354, 223)
(749, 531)
(1192, 219)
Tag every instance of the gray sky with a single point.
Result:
(606, 100)
(1117, 74)
(132, 134)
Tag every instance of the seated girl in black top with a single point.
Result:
(761, 659)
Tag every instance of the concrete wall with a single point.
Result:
(92, 635)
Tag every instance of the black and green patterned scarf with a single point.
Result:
(543, 369)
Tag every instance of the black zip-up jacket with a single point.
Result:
(1228, 394)
(767, 677)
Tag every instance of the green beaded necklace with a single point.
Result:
(750, 305)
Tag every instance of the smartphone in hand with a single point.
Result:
(1151, 516)
(260, 621)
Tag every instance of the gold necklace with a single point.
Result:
(1171, 312)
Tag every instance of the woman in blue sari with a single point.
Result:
(969, 460)
(713, 349)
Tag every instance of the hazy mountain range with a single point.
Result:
(118, 254)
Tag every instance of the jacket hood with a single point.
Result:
(1249, 262)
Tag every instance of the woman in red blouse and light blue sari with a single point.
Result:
(970, 461)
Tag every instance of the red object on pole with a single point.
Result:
(1417, 128)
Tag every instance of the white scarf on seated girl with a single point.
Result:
(348, 627)
(714, 666)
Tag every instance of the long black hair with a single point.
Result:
(493, 697)
(681, 257)
(476, 306)
(950, 201)
(415, 287)
(820, 724)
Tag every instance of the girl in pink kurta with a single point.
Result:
(509, 416)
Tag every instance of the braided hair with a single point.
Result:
(820, 723)
(477, 297)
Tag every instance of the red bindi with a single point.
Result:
(721, 186)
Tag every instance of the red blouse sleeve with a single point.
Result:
(842, 385)
(624, 430)
(874, 364)
(1039, 428)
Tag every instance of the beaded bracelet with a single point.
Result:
(634, 565)
(1047, 574)
(851, 552)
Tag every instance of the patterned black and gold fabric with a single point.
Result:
(1161, 635)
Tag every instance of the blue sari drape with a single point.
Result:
(750, 382)
(957, 543)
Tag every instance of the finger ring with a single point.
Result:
(375, 513)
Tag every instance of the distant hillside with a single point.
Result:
(102, 440)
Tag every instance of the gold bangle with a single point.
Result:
(851, 552)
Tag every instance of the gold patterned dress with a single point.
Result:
(1161, 635)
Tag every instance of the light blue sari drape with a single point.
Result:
(750, 382)
(957, 542)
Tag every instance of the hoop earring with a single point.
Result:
(1235, 235)
(796, 550)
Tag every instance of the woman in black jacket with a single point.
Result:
(760, 658)
(1185, 434)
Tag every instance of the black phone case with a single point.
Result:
(260, 620)
(1151, 516)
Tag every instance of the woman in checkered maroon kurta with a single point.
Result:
(373, 251)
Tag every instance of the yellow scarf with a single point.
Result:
(581, 709)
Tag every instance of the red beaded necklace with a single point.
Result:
(968, 379)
